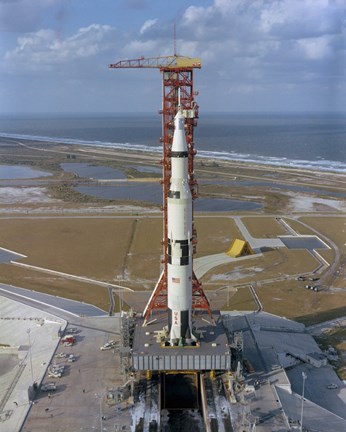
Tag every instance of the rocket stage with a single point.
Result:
(212, 352)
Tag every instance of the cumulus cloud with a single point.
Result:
(258, 51)
(44, 49)
(273, 47)
(272, 32)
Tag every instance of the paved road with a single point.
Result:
(203, 264)
(6, 256)
(256, 243)
(52, 304)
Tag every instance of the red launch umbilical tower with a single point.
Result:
(177, 87)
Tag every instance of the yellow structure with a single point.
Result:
(163, 62)
(239, 248)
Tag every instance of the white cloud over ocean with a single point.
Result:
(257, 55)
(45, 48)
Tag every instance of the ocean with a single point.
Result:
(308, 141)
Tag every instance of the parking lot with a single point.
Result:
(79, 402)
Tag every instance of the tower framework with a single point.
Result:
(177, 88)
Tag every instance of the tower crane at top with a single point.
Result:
(177, 94)
(163, 62)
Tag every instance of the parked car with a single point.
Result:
(108, 345)
(55, 375)
(48, 387)
(332, 386)
(70, 338)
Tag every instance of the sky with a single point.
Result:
(257, 55)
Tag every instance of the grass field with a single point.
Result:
(264, 227)
(127, 251)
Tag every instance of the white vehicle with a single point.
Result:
(107, 346)
(48, 387)
(332, 386)
(73, 330)
(57, 366)
(57, 369)
(67, 344)
(61, 355)
(54, 375)
(71, 358)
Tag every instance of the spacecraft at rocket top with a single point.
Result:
(179, 247)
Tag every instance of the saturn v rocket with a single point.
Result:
(179, 247)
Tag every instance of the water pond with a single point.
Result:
(11, 172)
(152, 194)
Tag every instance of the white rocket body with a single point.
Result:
(179, 215)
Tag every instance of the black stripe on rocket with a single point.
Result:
(179, 154)
(184, 251)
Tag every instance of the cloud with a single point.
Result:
(256, 54)
(45, 50)
(316, 48)
(138, 48)
(147, 25)
(269, 32)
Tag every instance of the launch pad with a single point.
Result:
(211, 353)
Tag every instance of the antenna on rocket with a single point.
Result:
(175, 39)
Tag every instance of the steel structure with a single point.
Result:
(177, 83)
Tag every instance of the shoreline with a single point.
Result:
(276, 189)
(218, 156)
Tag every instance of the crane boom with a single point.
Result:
(164, 62)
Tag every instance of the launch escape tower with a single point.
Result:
(177, 88)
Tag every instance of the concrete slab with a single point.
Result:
(6, 256)
(203, 264)
(315, 417)
(28, 340)
(265, 337)
(79, 401)
(212, 353)
(309, 242)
